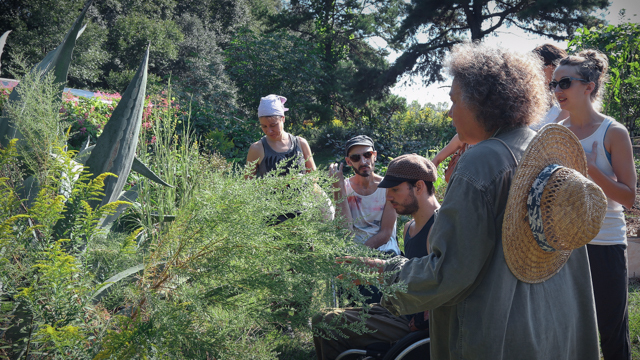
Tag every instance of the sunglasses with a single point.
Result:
(356, 157)
(565, 83)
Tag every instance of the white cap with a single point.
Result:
(272, 105)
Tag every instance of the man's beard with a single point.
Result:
(358, 172)
(410, 208)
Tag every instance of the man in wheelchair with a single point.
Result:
(409, 183)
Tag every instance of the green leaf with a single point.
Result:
(115, 149)
(3, 40)
(129, 197)
(143, 170)
(114, 279)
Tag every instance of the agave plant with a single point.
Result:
(114, 151)
(3, 40)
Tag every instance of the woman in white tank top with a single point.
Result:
(578, 83)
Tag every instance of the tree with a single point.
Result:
(340, 29)
(622, 45)
(276, 63)
(448, 22)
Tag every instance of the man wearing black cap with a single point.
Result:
(409, 183)
(371, 221)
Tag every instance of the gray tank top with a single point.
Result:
(272, 157)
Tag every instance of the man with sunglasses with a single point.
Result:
(362, 203)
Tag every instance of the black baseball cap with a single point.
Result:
(357, 140)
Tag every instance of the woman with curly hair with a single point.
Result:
(578, 85)
(478, 308)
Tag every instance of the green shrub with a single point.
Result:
(414, 130)
(202, 269)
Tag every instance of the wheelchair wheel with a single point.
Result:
(421, 352)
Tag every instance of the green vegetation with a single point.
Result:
(220, 277)
(182, 258)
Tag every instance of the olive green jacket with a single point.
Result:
(479, 310)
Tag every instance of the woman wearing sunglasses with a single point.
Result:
(578, 83)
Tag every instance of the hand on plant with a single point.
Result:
(336, 172)
(375, 264)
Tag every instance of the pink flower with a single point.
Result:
(83, 130)
(86, 115)
(80, 122)
(147, 125)
(153, 139)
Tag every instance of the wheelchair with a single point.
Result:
(414, 346)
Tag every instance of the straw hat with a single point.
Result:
(552, 207)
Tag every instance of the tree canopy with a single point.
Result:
(448, 22)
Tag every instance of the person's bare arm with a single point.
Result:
(308, 156)
(387, 222)
(256, 152)
(340, 194)
(453, 146)
(623, 190)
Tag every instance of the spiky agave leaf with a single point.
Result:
(115, 149)
(142, 169)
(137, 166)
(129, 197)
(3, 40)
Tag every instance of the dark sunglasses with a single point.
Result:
(356, 157)
(565, 83)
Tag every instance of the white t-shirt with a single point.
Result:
(552, 114)
(367, 216)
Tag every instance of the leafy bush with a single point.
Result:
(415, 129)
(199, 270)
(621, 44)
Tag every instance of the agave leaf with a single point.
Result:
(3, 40)
(128, 196)
(137, 166)
(81, 31)
(143, 170)
(85, 146)
(29, 190)
(83, 155)
(115, 149)
(119, 277)
(164, 218)
(58, 61)
(114, 279)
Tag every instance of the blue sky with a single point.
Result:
(512, 38)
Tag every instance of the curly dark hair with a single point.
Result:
(550, 53)
(591, 65)
(503, 88)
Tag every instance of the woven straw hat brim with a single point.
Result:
(554, 144)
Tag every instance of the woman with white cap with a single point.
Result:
(578, 85)
(277, 145)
